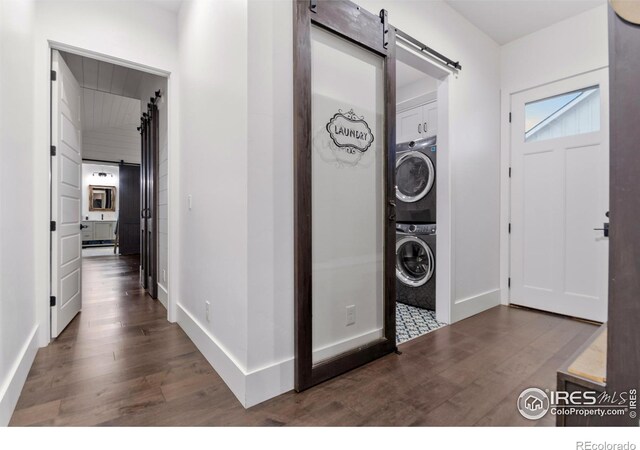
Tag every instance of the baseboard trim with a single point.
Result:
(12, 387)
(249, 387)
(223, 363)
(475, 304)
(268, 382)
(163, 295)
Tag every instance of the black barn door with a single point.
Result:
(129, 216)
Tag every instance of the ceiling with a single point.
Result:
(103, 76)
(102, 110)
(110, 93)
(507, 20)
(405, 74)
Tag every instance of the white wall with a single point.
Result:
(568, 48)
(575, 45)
(112, 144)
(214, 172)
(148, 87)
(138, 32)
(18, 318)
(89, 179)
(270, 199)
(416, 89)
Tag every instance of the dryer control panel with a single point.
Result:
(416, 228)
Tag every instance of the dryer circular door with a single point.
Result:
(415, 174)
(415, 263)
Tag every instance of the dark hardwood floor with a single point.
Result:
(121, 363)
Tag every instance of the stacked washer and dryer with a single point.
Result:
(415, 222)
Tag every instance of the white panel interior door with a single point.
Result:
(66, 182)
(559, 195)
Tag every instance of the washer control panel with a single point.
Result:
(416, 228)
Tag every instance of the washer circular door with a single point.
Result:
(415, 174)
(415, 263)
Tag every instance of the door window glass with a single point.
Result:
(563, 115)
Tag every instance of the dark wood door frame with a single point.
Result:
(623, 356)
(373, 33)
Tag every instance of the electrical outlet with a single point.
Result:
(190, 201)
(206, 310)
(351, 314)
(164, 275)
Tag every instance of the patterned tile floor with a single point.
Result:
(412, 322)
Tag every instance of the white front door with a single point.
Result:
(66, 182)
(560, 196)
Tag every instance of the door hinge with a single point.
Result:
(509, 117)
(509, 172)
(52, 227)
(384, 17)
(509, 282)
(53, 150)
(313, 6)
(54, 75)
(509, 228)
(52, 300)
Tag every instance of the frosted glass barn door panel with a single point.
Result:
(348, 185)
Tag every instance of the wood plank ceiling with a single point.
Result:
(110, 93)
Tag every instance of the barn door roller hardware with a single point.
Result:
(384, 17)
(313, 6)
(155, 98)
(427, 50)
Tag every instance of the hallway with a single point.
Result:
(121, 363)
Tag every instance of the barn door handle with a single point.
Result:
(392, 210)
(420, 128)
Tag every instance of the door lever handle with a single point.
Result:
(605, 229)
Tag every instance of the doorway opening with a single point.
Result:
(102, 170)
(416, 174)
(416, 203)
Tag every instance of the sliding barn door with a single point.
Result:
(148, 201)
(66, 196)
(344, 120)
(129, 214)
